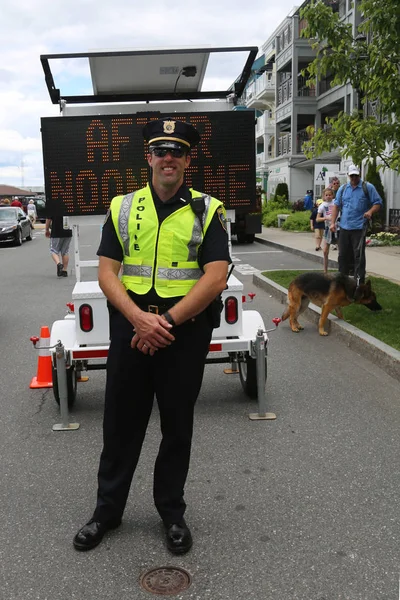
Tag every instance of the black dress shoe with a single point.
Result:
(91, 534)
(178, 536)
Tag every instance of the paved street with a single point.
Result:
(301, 508)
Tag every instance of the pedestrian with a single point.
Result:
(173, 245)
(316, 227)
(308, 200)
(357, 201)
(325, 216)
(335, 185)
(6, 202)
(60, 239)
(16, 202)
(31, 212)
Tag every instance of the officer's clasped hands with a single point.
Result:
(151, 333)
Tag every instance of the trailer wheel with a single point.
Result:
(248, 375)
(71, 386)
(250, 237)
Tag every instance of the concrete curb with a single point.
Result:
(381, 354)
(333, 264)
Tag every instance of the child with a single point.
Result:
(317, 228)
(324, 215)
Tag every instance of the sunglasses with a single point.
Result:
(175, 152)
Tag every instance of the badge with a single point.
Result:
(169, 126)
(221, 216)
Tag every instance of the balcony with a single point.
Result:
(261, 91)
(284, 39)
(265, 126)
(285, 144)
(262, 158)
(285, 92)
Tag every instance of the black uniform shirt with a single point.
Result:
(214, 246)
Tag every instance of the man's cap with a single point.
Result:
(169, 133)
(353, 170)
(319, 201)
(309, 191)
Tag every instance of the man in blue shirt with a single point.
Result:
(356, 206)
(308, 200)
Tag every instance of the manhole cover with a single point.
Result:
(165, 581)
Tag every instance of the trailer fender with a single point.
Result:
(65, 331)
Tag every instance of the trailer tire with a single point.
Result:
(250, 237)
(241, 238)
(248, 375)
(71, 386)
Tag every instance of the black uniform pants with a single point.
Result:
(352, 252)
(174, 376)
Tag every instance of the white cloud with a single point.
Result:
(34, 27)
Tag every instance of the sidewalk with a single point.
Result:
(383, 261)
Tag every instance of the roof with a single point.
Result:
(10, 190)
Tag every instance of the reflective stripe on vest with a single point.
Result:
(136, 223)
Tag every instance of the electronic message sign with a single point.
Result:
(90, 159)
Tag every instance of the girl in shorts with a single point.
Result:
(324, 214)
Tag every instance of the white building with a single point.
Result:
(290, 106)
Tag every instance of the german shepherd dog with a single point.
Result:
(330, 292)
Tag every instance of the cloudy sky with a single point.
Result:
(34, 27)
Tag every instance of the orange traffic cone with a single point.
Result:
(44, 377)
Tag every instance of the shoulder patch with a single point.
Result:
(221, 216)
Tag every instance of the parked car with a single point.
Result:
(15, 225)
(41, 208)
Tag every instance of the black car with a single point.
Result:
(14, 225)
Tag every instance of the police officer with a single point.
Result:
(173, 246)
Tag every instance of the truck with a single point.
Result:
(96, 151)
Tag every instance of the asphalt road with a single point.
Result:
(301, 508)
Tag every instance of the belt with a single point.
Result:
(157, 309)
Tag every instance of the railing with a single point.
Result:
(260, 159)
(302, 136)
(285, 92)
(265, 125)
(324, 85)
(285, 144)
(264, 83)
(394, 217)
(284, 39)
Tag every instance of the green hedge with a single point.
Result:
(298, 221)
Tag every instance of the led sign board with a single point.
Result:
(90, 159)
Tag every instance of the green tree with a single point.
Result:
(281, 190)
(370, 62)
(373, 177)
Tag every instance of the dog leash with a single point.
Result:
(360, 245)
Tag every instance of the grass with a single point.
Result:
(383, 325)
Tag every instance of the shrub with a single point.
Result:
(298, 221)
(372, 176)
(298, 205)
(280, 204)
(270, 219)
(282, 190)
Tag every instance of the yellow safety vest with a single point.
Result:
(163, 256)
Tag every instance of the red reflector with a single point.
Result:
(81, 354)
(231, 310)
(71, 306)
(86, 317)
(215, 347)
(243, 298)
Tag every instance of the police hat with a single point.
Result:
(169, 133)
